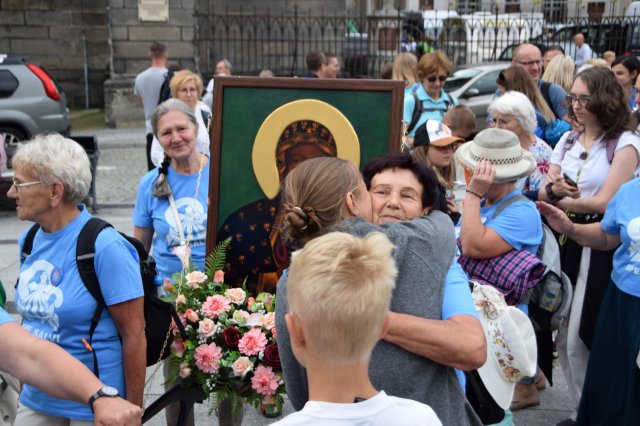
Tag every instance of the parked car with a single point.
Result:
(621, 36)
(507, 53)
(474, 85)
(30, 103)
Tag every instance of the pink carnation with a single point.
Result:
(214, 305)
(207, 357)
(265, 381)
(253, 342)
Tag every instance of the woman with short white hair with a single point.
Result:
(513, 111)
(52, 176)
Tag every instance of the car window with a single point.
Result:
(460, 78)
(8, 83)
(507, 53)
(487, 83)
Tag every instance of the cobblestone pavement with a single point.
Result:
(122, 162)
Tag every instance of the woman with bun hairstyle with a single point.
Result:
(325, 194)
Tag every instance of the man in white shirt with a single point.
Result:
(583, 50)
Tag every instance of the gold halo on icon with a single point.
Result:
(264, 147)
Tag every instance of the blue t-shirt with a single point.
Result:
(519, 224)
(457, 298)
(55, 305)
(622, 217)
(5, 317)
(557, 97)
(153, 212)
(433, 110)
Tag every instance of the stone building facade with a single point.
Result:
(107, 40)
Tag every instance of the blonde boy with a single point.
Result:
(339, 291)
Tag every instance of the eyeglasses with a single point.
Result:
(499, 122)
(433, 78)
(17, 185)
(582, 100)
(530, 63)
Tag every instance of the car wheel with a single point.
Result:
(12, 138)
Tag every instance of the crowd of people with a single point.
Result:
(378, 286)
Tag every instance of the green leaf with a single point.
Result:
(215, 260)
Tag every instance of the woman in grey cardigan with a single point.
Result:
(415, 359)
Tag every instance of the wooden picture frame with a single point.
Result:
(251, 116)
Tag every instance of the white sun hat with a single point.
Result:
(502, 148)
(511, 344)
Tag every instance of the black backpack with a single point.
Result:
(157, 313)
(165, 89)
(419, 109)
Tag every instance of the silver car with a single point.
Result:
(30, 103)
(474, 86)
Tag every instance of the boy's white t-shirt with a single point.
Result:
(381, 410)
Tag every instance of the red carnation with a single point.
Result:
(272, 356)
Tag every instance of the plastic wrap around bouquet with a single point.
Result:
(231, 350)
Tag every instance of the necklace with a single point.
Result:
(585, 154)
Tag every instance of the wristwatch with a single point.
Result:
(104, 391)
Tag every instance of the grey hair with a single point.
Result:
(519, 106)
(52, 158)
(167, 106)
(226, 63)
(161, 187)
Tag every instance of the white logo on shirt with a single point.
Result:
(633, 229)
(38, 295)
(187, 211)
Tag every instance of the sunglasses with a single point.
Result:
(433, 78)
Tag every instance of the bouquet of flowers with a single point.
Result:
(230, 350)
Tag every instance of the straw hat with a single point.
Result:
(502, 148)
(511, 344)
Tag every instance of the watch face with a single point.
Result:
(109, 391)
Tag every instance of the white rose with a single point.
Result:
(207, 328)
(240, 317)
(269, 320)
(196, 277)
(236, 295)
(242, 366)
(181, 299)
(255, 320)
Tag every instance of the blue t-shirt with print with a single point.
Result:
(622, 217)
(153, 212)
(519, 224)
(433, 110)
(55, 305)
(5, 317)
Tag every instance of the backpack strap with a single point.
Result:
(27, 245)
(417, 111)
(571, 139)
(545, 89)
(85, 256)
(611, 145)
(506, 203)
(611, 148)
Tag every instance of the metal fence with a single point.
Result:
(255, 41)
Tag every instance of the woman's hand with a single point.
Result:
(562, 189)
(483, 175)
(556, 218)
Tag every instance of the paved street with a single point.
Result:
(120, 167)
